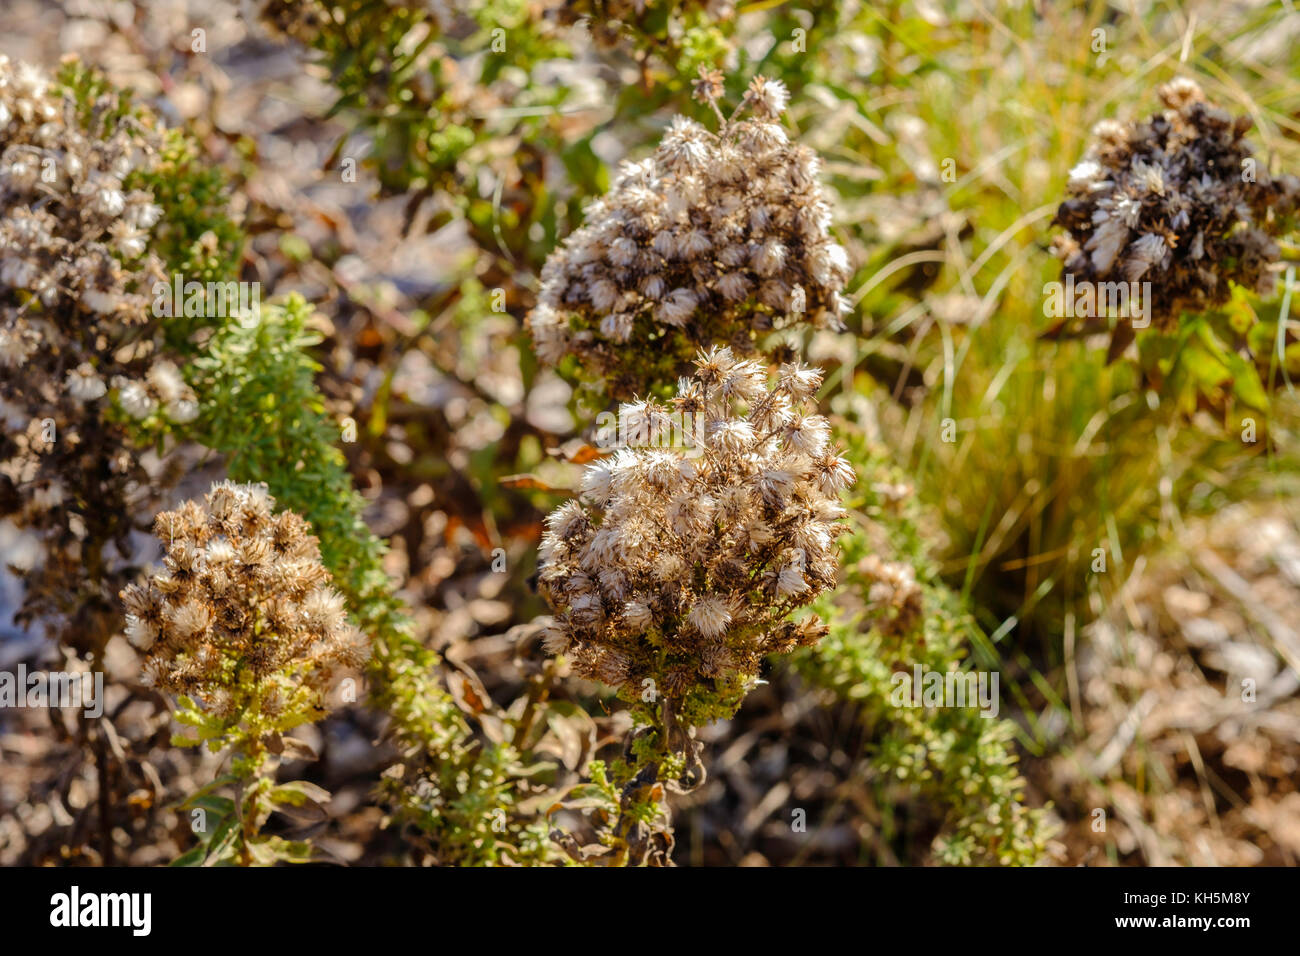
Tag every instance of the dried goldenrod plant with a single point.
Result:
(89, 220)
(243, 624)
(678, 575)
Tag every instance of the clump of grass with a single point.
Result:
(1034, 453)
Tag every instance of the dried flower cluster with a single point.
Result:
(242, 616)
(687, 563)
(613, 22)
(1176, 201)
(74, 344)
(299, 19)
(304, 20)
(715, 238)
(895, 596)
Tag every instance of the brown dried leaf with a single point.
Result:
(530, 482)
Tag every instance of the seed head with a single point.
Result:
(79, 358)
(717, 237)
(686, 561)
(242, 615)
(1177, 201)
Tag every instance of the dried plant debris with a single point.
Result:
(84, 381)
(1190, 708)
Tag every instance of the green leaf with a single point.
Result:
(1244, 376)
(1246, 384)
(221, 807)
(298, 792)
(191, 857)
(222, 843)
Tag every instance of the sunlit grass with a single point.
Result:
(1057, 464)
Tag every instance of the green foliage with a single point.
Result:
(405, 83)
(95, 96)
(1227, 359)
(230, 828)
(962, 760)
(196, 236)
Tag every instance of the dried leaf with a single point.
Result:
(576, 452)
(530, 482)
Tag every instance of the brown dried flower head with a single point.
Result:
(1177, 201)
(298, 19)
(716, 237)
(242, 616)
(75, 343)
(895, 596)
(622, 23)
(684, 563)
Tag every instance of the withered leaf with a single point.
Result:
(295, 749)
(530, 482)
(576, 452)
(468, 691)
